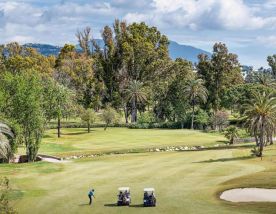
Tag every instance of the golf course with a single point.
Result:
(184, 181)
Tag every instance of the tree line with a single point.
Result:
(131, 75)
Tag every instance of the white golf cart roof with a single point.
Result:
(149, 190)
(123, 189)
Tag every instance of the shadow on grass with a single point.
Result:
(223, 141)
(84, 204)
(225, 159)
(111, 205)
(76, 133)
(137, 205)
(47, 136)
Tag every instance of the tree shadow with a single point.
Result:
(223, 141)
(84, 204)
(225, 159)
(75, 133)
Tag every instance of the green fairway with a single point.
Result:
(185, 182)
(121, 139)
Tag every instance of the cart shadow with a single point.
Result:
(137, 205)
(111, 205)
(134, 205)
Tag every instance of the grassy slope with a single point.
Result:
(118, 139)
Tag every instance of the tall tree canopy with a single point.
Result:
(219, 73)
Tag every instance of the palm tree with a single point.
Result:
(232, 134)
(196, 92)
(261, 118)
(135, 94)
(264, 79)
(6, 134)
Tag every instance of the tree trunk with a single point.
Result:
(256, 139)
(126, 114)
(88, 127)
(261, 147)
(231, 141)
(133, 111)
(105, 126)
(193, 115)
(182, 125)
(59, 127)
(271, 139)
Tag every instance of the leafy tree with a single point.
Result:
(169, 101)
(261, 118)
(201, 118)
(130, 53)
(85, 40)
(89, 117)
(58, 102)
(23, 103)
(75, 71)
(219, 119)
(109, 116)
(135, 94)
(21, 58)
(196, 92)
(231, 133)
(219, 73)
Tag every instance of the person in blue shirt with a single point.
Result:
(91, 194)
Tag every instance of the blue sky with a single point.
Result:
(248, 27)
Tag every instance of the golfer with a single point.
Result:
(91, 194)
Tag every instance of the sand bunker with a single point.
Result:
(54, 160)
(249, 195)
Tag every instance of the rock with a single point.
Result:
(157, 150)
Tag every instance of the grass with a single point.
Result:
(185, 182)
(76, 141)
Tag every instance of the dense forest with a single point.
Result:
(132, 82)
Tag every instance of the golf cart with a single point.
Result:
(149, 197)
(124, 198)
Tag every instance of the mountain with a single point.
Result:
(185, 51)
(44, 49)
(176, 50)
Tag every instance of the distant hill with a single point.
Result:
(176, 50)
(44, 49)
(185, 51)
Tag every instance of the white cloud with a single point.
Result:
(25, 21)
(204, 14)
(268, 41)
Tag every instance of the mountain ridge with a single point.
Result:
(176, 50)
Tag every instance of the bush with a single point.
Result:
(146, 117)
(201, 119)
(4, 199)
(164, 125)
